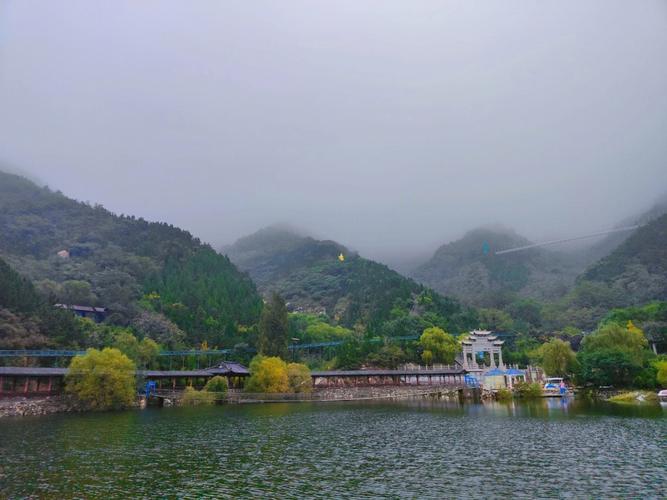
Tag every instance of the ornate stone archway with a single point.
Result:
(482, 341)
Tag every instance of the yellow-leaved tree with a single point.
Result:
(299, 378)
(267, 374)
(102, 380)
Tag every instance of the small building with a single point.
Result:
(514, 375)
(235, 372)
(503, 379)
(495, 379)
(97, 314)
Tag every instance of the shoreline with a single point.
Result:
(22, 406)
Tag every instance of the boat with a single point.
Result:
(555, 387)
(662, 397)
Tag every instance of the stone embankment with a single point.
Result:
(21, 407)
(392, 392)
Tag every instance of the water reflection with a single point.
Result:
(419, 448)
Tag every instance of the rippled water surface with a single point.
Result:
(405, 449)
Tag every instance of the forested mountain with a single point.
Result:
(605, 246)
(27, 320)
(275, 252)
(354, 291)
(637, 268)
(469, 269)
(83, 254)
(634, 273)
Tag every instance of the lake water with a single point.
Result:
(414, 449)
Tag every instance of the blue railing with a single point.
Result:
(39, 353)
(64, 353)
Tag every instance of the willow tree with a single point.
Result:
(556, 358)
(438, 346)
(629, 339)
(102, 380)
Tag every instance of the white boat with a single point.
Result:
(554, 387)
(662, 397)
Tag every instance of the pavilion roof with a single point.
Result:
(229, 368)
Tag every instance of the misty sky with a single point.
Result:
(390, 126)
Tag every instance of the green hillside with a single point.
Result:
(469, 269)
(27, 320)
(637, 268)
(124, 263)
(357, 291)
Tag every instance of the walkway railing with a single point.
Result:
(64, 353)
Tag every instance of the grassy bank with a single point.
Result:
(635, 398)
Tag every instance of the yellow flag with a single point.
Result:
(341, 257)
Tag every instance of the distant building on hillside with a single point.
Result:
(97, 314)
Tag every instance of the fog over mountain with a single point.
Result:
(388, 126)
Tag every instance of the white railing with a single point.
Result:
(413, 367)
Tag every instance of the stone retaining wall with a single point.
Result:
(21, 406)
(390, 392)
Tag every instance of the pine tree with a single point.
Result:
(273, 328)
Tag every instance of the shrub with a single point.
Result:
(503, 394)
(218, 386)
(528, 390)
(193, 397)
(661, 376)
(299, 378)
(646, 378)
(102, 379)
(635, 397)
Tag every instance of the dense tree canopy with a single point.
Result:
(113, 261)
(438, 346)
(273, 328)
(27, 320)
(556, 358)
(629, 339)
(608, 367)
(661, 375)
(103, 379)
(268, 374)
